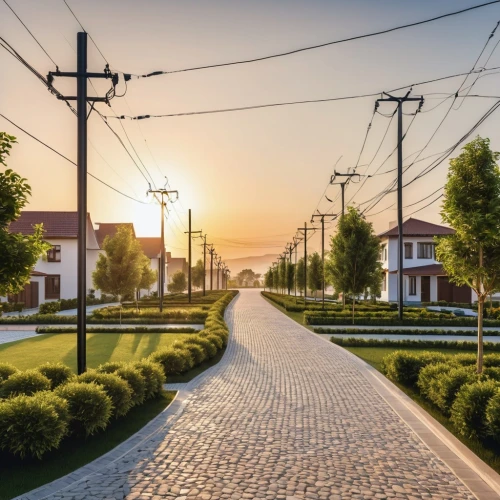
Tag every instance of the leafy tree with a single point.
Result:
(374, 286)
(178, 284)
(148, 276)
(300, 275)
(315, 273)
(282, 274)
(276, 279)
(19, 253)
(471, 207)
(290, 276)
(246, 277)
(354, 255)
(198, 274)
(120, 269)
(256, 284)
(268, 279)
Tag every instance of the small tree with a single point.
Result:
(290, 276)
(300, 275)
(148, 276)
(268, 279)
(471, 207)
(198, 274)
(282, 274)
(246, 277)
(120, 269)
(18, 252)
(178, 284)
(276, 279)
(315, 273)
(354, 255)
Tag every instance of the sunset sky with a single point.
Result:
(252, 177)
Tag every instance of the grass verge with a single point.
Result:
(488, 452)
(298, 317)
(17, 477)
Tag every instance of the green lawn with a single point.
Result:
(17, 477)
(296, 316)
(101, 347)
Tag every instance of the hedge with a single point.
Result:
(136, 329)
(27, 383)
(419, 344)
(458, 321)
(382, 331)
(193, 315)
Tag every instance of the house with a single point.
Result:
(54, 276)
(424, 279)
(152, 249)
(175, 264)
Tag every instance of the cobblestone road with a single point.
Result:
(283, 416)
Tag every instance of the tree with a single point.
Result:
(300, 275)
(19, 253)
(290, 275)
(148, 275)
(315, 273)
(120, 269)
(282, 274)
(198, 274)
(268, 279)
(178, 284)
(246, 277)
(354, 255)
(276, 279)
(471, 206)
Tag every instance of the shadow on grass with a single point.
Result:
(19, 476)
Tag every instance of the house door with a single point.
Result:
(445, 290)
(34, 294)
(425, 289)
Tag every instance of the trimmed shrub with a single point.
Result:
(30, 426)
(89, 406)
(111, 366)
(215, 339)
(115, 387)
(463, 359)
(209, 348)
(153, 375)
(468, 412)
(136, 382)
(6, 370)
(49, 307)
(493, 416)
(448, 384)
(404, 367)
(492, 372)
(57, 373)
(428, 377)
(173, 361)
(27, 382)
(197, 352)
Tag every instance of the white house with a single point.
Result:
(424, 279)
(54, 276)
(152, 249)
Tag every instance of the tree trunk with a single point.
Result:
(480, 314)
(353, 304)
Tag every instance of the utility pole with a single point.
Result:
(289, 249)
(280, 258)
(212, 253)
(204, 263)
(400, 101)
(162, 192)
(342, 184)
(190, 235)
(323, 245)
(296, 242)
(82, 99)
(305, 229)
(218, 263)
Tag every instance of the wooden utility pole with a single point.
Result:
(305, 229)
(190, 264)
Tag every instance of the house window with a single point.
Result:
(54, 254)
(408, 250)
(53, 286)
(424, 250)
(384, 282)
(412, 285)
(381, 252)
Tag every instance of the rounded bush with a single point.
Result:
(153, 375)
(30, 426)
(6, 370)
(429, 376)
(468, 412)
(463, 359)
(173, 361)
(448, 384)
(115, 387)
(197, 352)
(493, 416)
(491, 360)
(27, 382)
(136, 382)
(57, 373)
(209, 348)
(89, 406)
(111, 366)
(404, 366)
(492, 372)
(215, 339)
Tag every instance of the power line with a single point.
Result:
(318, 46)
(70, 161)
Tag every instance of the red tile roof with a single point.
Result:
(55, 224)
(109, 229)
(151, 246)
(417, 227)
(37, 273)
(429, 270)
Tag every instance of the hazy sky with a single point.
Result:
(252, 177)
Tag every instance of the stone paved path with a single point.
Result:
(284, 415)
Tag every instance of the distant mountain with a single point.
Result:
(258, 264)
